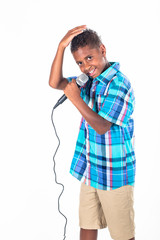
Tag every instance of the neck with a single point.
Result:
(106, 66)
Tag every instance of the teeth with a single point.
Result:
(92, 71)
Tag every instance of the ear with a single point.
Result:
(103, 50)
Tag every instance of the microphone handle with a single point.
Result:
(60, 101)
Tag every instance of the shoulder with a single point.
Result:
(120, 88)
(120, 84)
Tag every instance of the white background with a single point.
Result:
(30, 31)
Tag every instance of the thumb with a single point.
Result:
(73, 80)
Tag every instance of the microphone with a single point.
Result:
(80, 80)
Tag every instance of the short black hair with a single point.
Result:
(87, 37)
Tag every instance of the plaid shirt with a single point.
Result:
(107, 161)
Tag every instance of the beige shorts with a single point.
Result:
(99, 209)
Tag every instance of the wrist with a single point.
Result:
(77, 101)
(61, 46)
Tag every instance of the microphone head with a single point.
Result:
(82, 79)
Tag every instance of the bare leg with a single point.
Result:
(86, 234)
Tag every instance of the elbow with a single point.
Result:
(100, 132)
(103, 130)
(60, 85)
(51, 84)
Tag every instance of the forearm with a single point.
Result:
(99, 124)
(56, 79)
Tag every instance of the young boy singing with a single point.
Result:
(104, 159)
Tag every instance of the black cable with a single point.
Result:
(56, 174)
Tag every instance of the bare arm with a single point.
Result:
(98, 123)
(56, 79)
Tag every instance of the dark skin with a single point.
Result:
(90, 234)
(92, 61)
(56, 80)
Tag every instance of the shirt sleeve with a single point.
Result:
(70, 78)
(117, 103)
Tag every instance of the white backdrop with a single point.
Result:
(30, 31)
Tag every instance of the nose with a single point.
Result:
(86, 67)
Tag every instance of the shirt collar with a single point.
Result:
(108, 74)
(104, 77)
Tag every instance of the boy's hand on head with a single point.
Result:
(72, 91)
(70, 35)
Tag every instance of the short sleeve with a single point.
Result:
(117, 103)
(70, 78)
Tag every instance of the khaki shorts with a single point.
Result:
(99, 209)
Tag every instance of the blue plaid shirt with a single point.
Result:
(107, 161)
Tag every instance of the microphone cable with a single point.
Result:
(81, 81)
(54, 170)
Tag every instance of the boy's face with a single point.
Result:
(92, 61)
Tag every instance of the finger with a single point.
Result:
(75, 33)
(77, 29)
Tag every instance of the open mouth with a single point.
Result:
(92, 72)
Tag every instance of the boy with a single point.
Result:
(104, 159)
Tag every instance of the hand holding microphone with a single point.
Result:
(71, 89)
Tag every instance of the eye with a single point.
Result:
(89, 57)
(79, 63)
